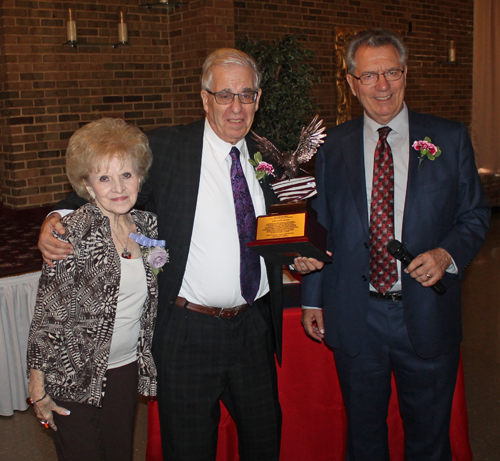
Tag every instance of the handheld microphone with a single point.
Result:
(399, 251)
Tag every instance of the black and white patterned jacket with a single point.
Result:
(71, 330)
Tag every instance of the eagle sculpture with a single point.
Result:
(310, 139)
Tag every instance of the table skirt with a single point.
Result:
(314, 422)
(17, 303)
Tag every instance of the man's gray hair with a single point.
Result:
(374, 38)
(228, 57)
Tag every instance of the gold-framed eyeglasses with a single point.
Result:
(370, 78)
(226, 97)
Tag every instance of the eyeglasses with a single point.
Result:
(226, 97)
(370, 78)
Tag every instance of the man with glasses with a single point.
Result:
(374, 186)
(220, 305)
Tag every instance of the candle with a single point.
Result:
(451, 52)
(122, 30)
(71, 29)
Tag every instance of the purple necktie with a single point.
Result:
(246, 222)
(383, 266)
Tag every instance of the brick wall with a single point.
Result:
(196, 31)
(434, 86)
(48, 90)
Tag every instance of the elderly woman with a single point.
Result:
(89, 347)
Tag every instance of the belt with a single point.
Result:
(220, 312)
(394, 297)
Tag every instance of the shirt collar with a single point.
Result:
(398, 124)
(221, 148)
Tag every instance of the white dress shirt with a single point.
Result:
(212, 276)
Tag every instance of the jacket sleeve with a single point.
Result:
(312, 294)
(473, 213)
(51, 311)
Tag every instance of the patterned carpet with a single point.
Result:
(18, 240)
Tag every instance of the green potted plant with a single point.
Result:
(287, 80)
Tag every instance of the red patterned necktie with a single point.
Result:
(246, 223)
(383, 266)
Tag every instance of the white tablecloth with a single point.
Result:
(17, 302)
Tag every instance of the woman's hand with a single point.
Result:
(43, 405)
(43, 411)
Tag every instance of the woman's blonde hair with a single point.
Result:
(96, 144)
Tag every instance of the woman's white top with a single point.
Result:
(131, 298)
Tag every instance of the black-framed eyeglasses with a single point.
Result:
(226, 97)
(370, 78)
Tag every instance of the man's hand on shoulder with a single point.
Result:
(53, 249)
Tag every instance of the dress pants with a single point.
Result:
(425, 390)
(205, 359)
(100, 434)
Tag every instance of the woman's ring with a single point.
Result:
(428, 275)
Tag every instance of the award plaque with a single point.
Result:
(290, 230)
(282, 237)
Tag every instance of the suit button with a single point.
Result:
(363, 277)
(366, 245)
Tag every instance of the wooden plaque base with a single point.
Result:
(280, 238)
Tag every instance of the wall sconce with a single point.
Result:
(162, 4)
(122, 31)
(71, 29)
(72, 37)
(452, 52)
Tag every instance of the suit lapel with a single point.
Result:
(265, 184)
(417, 132)
(193, 151)
(190, 152)
(352, 151)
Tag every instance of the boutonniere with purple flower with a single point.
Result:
(427, 149)
(262, 169)
(156, 254)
